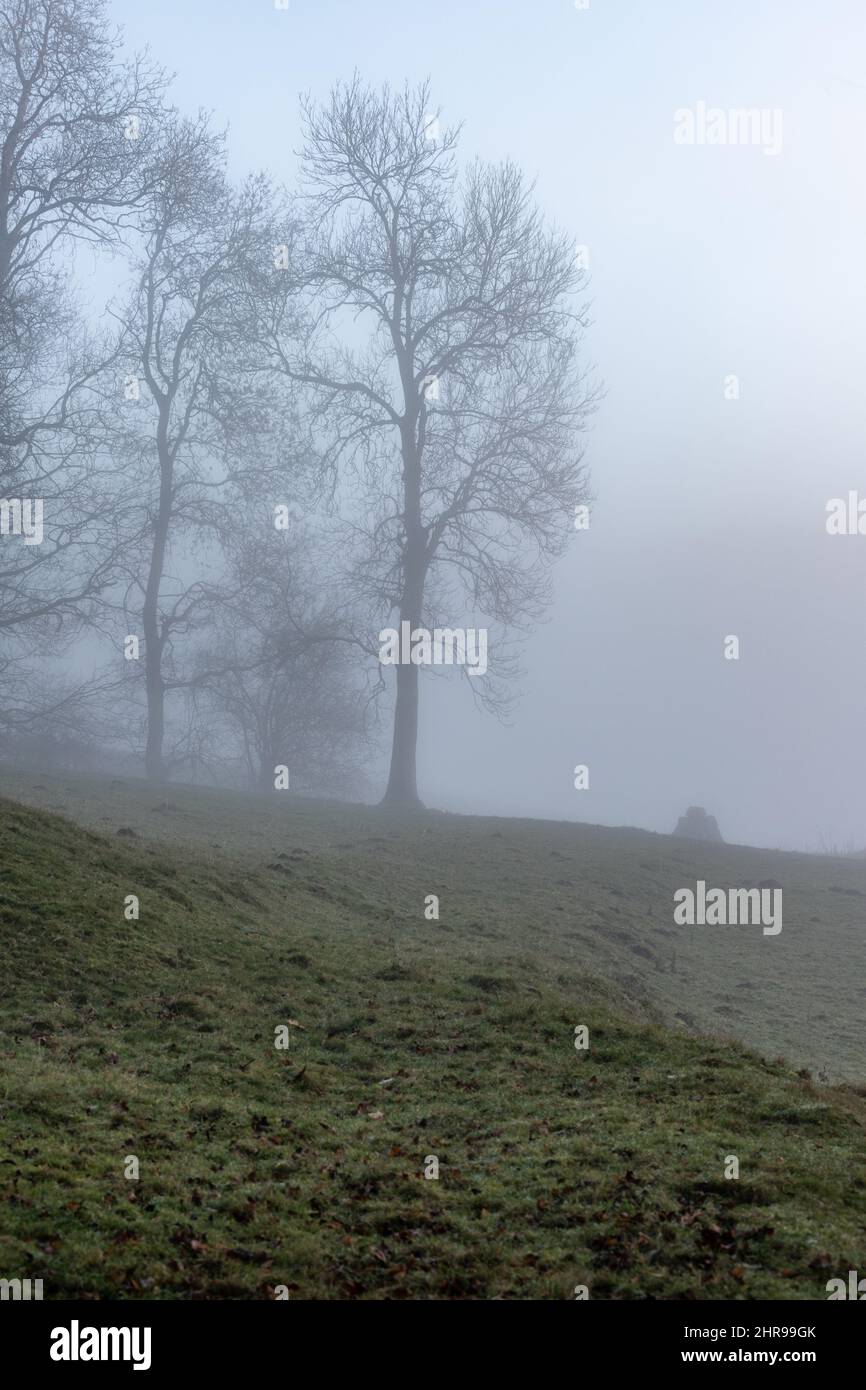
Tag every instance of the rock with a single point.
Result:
(697, 825)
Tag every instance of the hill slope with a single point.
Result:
(574, 897)
(409, 1038)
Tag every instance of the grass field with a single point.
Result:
(409, 1039)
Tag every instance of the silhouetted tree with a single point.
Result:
(76, 124)
(193, 417)
(75, 128)
(440, 352)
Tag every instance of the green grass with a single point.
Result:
(261, 1167)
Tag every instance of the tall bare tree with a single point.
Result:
(193, 419)
(441, 355)
(76, 123)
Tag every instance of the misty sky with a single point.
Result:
(705, 261)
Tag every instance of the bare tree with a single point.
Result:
(193, 422)
(441, 357)
(282, 675)
(75, 126)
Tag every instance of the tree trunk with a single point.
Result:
(153, 763)
(153, 637)
(402, 787)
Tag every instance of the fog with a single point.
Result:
(412, 415)
(706, 263)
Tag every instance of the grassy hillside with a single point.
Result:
(412, 1038)
(576, 897)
